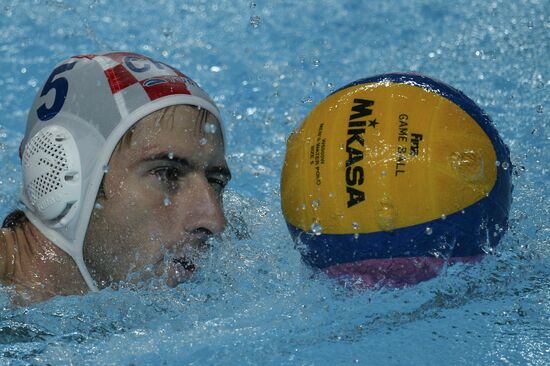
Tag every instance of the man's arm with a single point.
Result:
(3, 245)
(6, 256)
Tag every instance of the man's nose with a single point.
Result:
(203, 208)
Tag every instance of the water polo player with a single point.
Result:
(123, 170)
(392, 177)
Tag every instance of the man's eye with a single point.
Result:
(167, 174)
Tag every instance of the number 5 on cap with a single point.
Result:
(61, 86)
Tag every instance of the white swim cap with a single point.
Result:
(82, 111)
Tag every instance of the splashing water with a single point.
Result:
(252, 300)
(316, 228)
(210, 128)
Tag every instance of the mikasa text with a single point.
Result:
(355, 175)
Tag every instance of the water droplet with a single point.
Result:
(24, 70)
(315, 203)
(215, 69)
(255, 21)
(540, 109)
(166, 201)
(443, 217)
(304, 206)
(106, 168)
(316, 63)
(469, 165)
(167, 32)
(203, 141)
(98, 206)
(429, 231)
(316, 228)
(497, 163)
(356, 236)
(250, 111)
(170, 155)
(209, 127)
(341, 146)
(330, 194)
(307, 99)
(386, 214)
(505, 165)
(383, 173)
(355, 225)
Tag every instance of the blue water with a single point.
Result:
(267, 65)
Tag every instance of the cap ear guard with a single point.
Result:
(52, 175)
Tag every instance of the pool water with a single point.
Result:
(267, 64)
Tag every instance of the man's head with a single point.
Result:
(161, 198)
(160, 135)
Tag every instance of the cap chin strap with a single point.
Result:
(85, 273)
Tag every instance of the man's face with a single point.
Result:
(163, 199)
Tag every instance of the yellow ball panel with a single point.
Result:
(381, 156)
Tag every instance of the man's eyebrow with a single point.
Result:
(170, 157)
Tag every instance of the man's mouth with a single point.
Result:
(182, 262)
(181, 269)
(185, 263)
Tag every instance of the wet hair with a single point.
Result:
(166, 118)
(14, 219)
